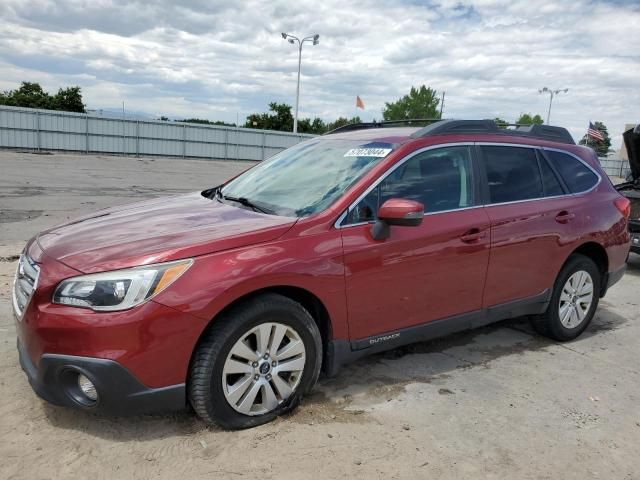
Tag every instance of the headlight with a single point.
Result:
(119, 289)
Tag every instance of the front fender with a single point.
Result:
(313, 263)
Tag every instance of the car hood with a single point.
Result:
(157, 231)
(632, 143)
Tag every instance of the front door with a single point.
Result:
(424, 273)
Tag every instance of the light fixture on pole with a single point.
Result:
(552, 93)
(314, 39)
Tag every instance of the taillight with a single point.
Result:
(624, 205)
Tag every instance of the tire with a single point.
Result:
(276, 383)
(568, 323)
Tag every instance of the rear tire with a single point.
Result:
(574, 301)
(255, 362)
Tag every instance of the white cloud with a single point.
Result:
(218, 59)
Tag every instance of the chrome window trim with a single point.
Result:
(427, 214)
(344, 214)
(382, 177)
(595, 185)
(593, 170)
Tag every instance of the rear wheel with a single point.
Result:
(574, 300)
(255, 363)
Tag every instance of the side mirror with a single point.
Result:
(397, 211)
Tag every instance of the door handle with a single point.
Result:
(473, 235)
(564, 217)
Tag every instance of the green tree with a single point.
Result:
(501, 122)
(280, 118)
(601, 147)
(315, 126)
(31, 95)
(206, 122)
(342, 121)
(69, 100)
(528, 119)
(419, 103)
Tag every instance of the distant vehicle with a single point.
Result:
(631, 188)
(233, 299)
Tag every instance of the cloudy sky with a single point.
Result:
(219, 59)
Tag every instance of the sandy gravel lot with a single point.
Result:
(499, 402)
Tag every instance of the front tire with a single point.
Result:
(255, 362)
(573, 304)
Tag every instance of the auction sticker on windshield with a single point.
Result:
(368, 152)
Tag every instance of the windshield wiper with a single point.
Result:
(245, 202)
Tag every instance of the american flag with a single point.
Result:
(593, 132)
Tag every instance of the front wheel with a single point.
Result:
(573, 304)
(255, 362)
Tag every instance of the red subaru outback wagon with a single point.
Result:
(234, 299)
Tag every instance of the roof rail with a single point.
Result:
(385, 123)
(542, 132)
(436, 126)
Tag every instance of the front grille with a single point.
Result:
(24, 284)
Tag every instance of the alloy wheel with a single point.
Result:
(576, 299)
(263, 368)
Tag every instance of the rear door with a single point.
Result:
(534, 222)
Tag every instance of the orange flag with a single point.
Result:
(359, 102)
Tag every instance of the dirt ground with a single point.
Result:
(499, 402)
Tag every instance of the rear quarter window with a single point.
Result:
(576, 175)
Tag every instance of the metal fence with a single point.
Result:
(615, 167)
(35, 129)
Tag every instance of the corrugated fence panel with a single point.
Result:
(206, 150)
(22, 120)
(281, 141)
(61, 141)
(270, 152)
(158, 146)
(18, 138)
(107, 144)
(52, 130)
(249, 153)
(60, 123)
(159, 130)
(196, 134)
(615, 167)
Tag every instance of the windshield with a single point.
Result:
(307, 178)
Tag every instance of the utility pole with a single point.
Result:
(441, 105)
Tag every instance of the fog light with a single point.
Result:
(87, 387)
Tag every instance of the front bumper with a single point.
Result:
(119, 392)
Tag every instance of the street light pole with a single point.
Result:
(552, 93)
(295, 118)
(315, 39)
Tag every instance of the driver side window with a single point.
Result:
(440, 179)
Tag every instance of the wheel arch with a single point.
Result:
(598, 254)
(304, 297)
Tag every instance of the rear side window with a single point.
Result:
(575, 174)
(513, 174)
